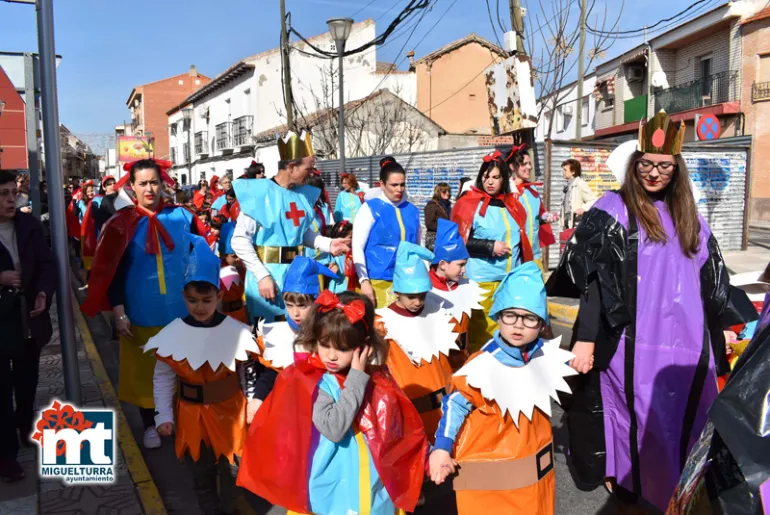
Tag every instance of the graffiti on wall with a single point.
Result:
(593, 163)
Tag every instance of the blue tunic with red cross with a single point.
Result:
(283, 216)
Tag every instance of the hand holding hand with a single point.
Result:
(165, 429)
(267, 288)
(334, 268)
(583, 361)
(340, 246)
(580, 212)
(441, 466)
(360, 358)
(251, 409)
(501, 249)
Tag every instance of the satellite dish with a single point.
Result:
(659, 80)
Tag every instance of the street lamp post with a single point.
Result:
(339, 28)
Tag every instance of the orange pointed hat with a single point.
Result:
(661, 135)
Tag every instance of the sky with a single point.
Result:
(110, 46)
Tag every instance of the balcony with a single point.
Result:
(242, 131)
(760, 91)
(201, 143)
(222, 134)
(718, 88)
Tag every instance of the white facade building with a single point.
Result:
(563, 113)
(218, 122)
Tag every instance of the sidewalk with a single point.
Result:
(132, 493)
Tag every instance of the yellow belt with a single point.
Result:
(277, 255)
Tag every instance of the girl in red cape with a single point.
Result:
(337, 420)
(492, 222)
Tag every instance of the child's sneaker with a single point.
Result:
(151, 438)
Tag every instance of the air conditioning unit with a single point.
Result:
(635, 73)
(203, 111)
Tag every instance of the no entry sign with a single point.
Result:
(708, 127)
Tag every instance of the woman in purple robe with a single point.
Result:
(654, 300)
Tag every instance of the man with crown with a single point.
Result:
(276, 224)
(648, 339)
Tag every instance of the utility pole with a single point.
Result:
(581, 72)
(288, 98)
(517, 22)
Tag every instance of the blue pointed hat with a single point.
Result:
(202, 264)
(522, 288)
(302, 276)
(449, 245)
(410, 274)
(225, 239)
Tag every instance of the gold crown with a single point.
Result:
(292, 147)
(661, 135)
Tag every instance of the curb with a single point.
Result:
(562, 312)
(149, 497)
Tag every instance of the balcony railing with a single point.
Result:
(242, 131)
(714, 89)
(760, 91)
(201, 142)
(223, 136)
(186, 152)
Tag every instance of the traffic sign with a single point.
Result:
(708, 127)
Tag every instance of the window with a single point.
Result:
(472, 97)
(203, 176)
(609, 102)
(184, 179)
(560, 119)
(584, 111)
(180, 82)
(247, 101)
(173, 130)
(704, 74)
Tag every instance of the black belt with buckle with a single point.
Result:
(430, 401)
(210, 393)
(279, 255)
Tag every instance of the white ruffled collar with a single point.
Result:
(425, 336)
(278, 338)
(521, 389)
(461, 300)
(224, 344)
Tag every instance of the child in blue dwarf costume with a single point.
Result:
(496, 421)
(300, 289)
(460, 294)
(232, 276)
(343, 265)
(203, 356)
(420, 333)
(275, 225)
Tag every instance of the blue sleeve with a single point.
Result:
(455, 409)
(338, 209)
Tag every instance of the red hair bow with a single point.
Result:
(492, 157)
(163, 164)
(354, 311)
(387, 162)
(515, 149)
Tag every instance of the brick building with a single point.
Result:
(13, 127)
(149, 103)
(755, 104)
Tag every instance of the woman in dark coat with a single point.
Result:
(438, 207)
(27, 282)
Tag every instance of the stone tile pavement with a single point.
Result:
(35, 496)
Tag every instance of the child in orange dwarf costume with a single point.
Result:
(204, 354)
(496, 421)
(460, 294)
(420, 334)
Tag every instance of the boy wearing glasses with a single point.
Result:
(496, 422)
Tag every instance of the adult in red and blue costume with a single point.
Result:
(138, 273)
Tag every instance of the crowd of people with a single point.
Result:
(341, 359)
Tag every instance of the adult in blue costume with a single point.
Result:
(492, 222)
(655, 299)
(349, 199)
(384, 221)
(323, 218)
(138, 274)
(276, 224)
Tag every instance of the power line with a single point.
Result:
(649, 27)
(661, 29)
(363, 8)
(492, 23)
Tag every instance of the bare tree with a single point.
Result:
(381, 123)
(559, 31)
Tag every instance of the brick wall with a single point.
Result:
(688, 57)
(755, 43)
(665, 61)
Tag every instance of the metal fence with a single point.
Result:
(718, 170)
(714, 89)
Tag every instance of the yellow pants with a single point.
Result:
(137, 368)
(481, 327)
(383, 292)
(539, 263)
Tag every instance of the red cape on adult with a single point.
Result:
(116, 234)
(279, 449)
(545, 233)
(465, 209)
